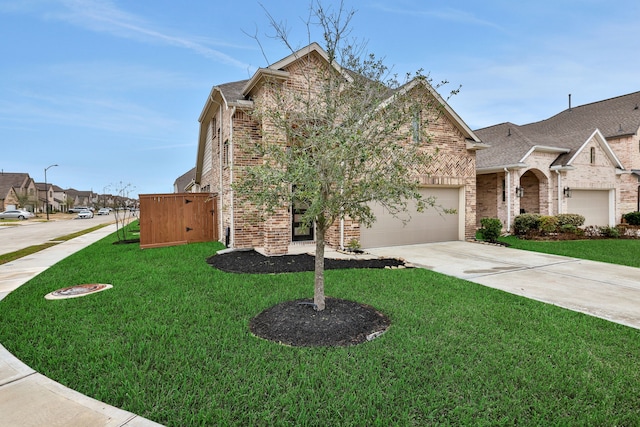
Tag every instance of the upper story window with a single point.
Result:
(416, 126)
(592, 155)
(225, 153)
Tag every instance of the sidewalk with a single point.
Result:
(29, 399)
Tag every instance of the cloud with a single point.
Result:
(444, 14)
(106, 17)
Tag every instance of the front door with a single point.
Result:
(299, 231)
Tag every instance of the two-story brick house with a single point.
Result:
(584, 160)
(227, 129)
(19, 190)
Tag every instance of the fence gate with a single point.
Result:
(177, 218)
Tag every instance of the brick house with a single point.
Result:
(584, 160)
(225, 122)
(17, 186)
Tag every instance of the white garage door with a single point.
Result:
(592, 204)
(425, 227)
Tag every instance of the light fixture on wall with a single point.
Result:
(566, 192)
(519, 192)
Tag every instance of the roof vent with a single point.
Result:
(636, 107)
(620, 128)
(509, 132)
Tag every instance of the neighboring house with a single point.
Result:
(584, 160)
(60, 198)
(46, 193)
(225, 124)
(186, 183)
(79, 198)
(19, 190)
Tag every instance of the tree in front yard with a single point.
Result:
(347, 134)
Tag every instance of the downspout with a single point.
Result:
(559, 191)
(341, 224)
(507, 179)
(221, 177)
(220, 171)
(231, 161)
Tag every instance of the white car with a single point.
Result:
(104, 211)
(85, 214)
(16, 214)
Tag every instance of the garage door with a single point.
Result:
(423, 227)
(592, 204)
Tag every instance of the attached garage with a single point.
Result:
(429, 226)
(594, 205)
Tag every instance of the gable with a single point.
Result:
(583, 154)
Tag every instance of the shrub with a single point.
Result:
(548, 224)
(576, 220)
(610, 232)
(632, 218)
(526, 223)
(491, 229)
(568, 228)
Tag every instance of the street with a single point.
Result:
(36, 231)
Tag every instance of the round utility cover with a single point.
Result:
(77, 291)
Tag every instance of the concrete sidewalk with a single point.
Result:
(608, 291)
(29, 399)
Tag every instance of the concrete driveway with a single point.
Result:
(608, 291)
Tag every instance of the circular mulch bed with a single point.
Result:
(341, 323)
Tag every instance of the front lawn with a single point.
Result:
(614, 251)
(170, 342)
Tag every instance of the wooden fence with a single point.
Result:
(177, 218)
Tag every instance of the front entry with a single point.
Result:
(299, 231)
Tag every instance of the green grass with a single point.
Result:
(171, 342)
(614, 251)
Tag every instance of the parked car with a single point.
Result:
(16, 214)
(78, 209)
(85, 214)
(104, 211)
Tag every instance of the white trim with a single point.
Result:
(543, 149)
(597, 135)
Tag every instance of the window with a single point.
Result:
(225, 153)
(416, 126)
(504, 193)
(593, 155)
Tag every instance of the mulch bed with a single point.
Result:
(341, 323)
(254, 262)
(298, 323)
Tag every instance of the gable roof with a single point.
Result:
(185, 179)
(238, 95)
(568, 132)
(9, 180)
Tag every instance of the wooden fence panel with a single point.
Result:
(177, 218)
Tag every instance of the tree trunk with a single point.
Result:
(318, 290)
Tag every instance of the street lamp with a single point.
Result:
(46, 191)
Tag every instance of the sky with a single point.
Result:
(110, 91)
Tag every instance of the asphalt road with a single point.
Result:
(37, 230)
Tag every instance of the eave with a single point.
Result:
(500, 168)
(261, 75)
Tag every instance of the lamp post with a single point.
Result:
(46, 191)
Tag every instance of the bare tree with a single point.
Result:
(122, 209)
(348, 133)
